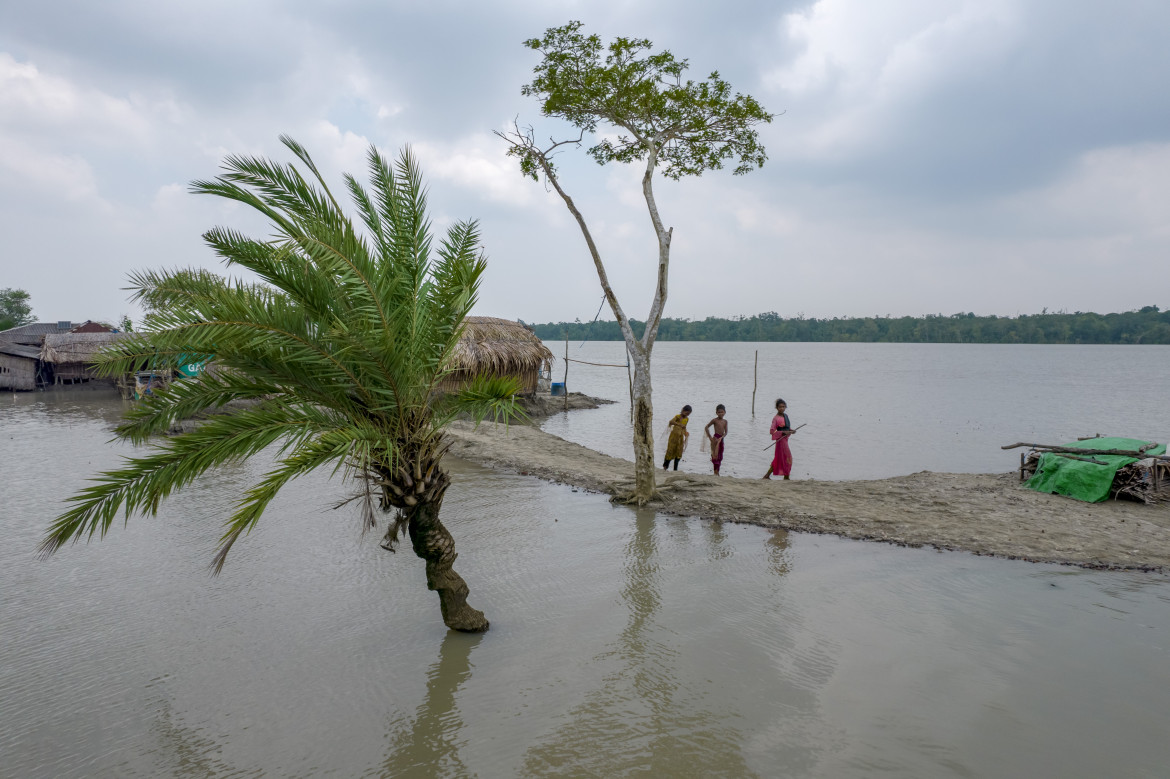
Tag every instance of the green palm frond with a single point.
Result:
(144, 482)
(485, 398)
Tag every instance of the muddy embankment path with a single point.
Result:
(987, 514)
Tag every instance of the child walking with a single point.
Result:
(781, 430)
(678, 438)
(719, 427)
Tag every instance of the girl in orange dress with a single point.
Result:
(678, 438)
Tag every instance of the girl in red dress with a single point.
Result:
(781, 430)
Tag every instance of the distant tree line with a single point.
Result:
(1148, 325)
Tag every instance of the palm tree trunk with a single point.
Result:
(434, 544)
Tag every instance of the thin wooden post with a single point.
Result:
(1021, 466)
(755, 381)
(566, 387)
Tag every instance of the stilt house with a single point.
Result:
(72, 355)
(20, 354)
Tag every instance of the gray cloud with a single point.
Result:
(998, 156)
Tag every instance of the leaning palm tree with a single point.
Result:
(340, 349)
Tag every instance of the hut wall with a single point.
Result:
(459, 379)
(528, 378)
(17, 373)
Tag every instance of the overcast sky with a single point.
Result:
(929, 156)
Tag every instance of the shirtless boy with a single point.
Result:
(716, 431)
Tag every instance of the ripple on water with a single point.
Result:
(622, 642)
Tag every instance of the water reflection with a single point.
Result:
(183, 751)
(777, 548)
(642, 719)
(717, 548)
(429, 744)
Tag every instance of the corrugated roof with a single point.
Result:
(32, 334)
(20, 350)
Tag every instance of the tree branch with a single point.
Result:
(664, 235)
(524, 146)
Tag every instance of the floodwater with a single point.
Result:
(622, 644)
(876, 410)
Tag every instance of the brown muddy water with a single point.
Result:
(622, 643)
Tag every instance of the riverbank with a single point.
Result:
(542, 405)
(985, 514)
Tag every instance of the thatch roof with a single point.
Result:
(76, 348)
(488, 344)
(499, 346)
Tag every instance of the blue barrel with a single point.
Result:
(558, 388)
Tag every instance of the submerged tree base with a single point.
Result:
(433, 543)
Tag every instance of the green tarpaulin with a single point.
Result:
(1082, 480)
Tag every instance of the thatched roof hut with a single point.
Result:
(72, 354)
(498, 347)
(23, 365)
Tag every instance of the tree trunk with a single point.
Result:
(434, 544)
(644, 466)
(644, 462)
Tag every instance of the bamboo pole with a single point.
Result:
(1093, 460)
(1140, 453)
(755, 382)
(566, 374)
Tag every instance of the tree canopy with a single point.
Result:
(691, 126)
(15, 309)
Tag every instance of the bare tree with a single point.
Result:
(680, 128)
